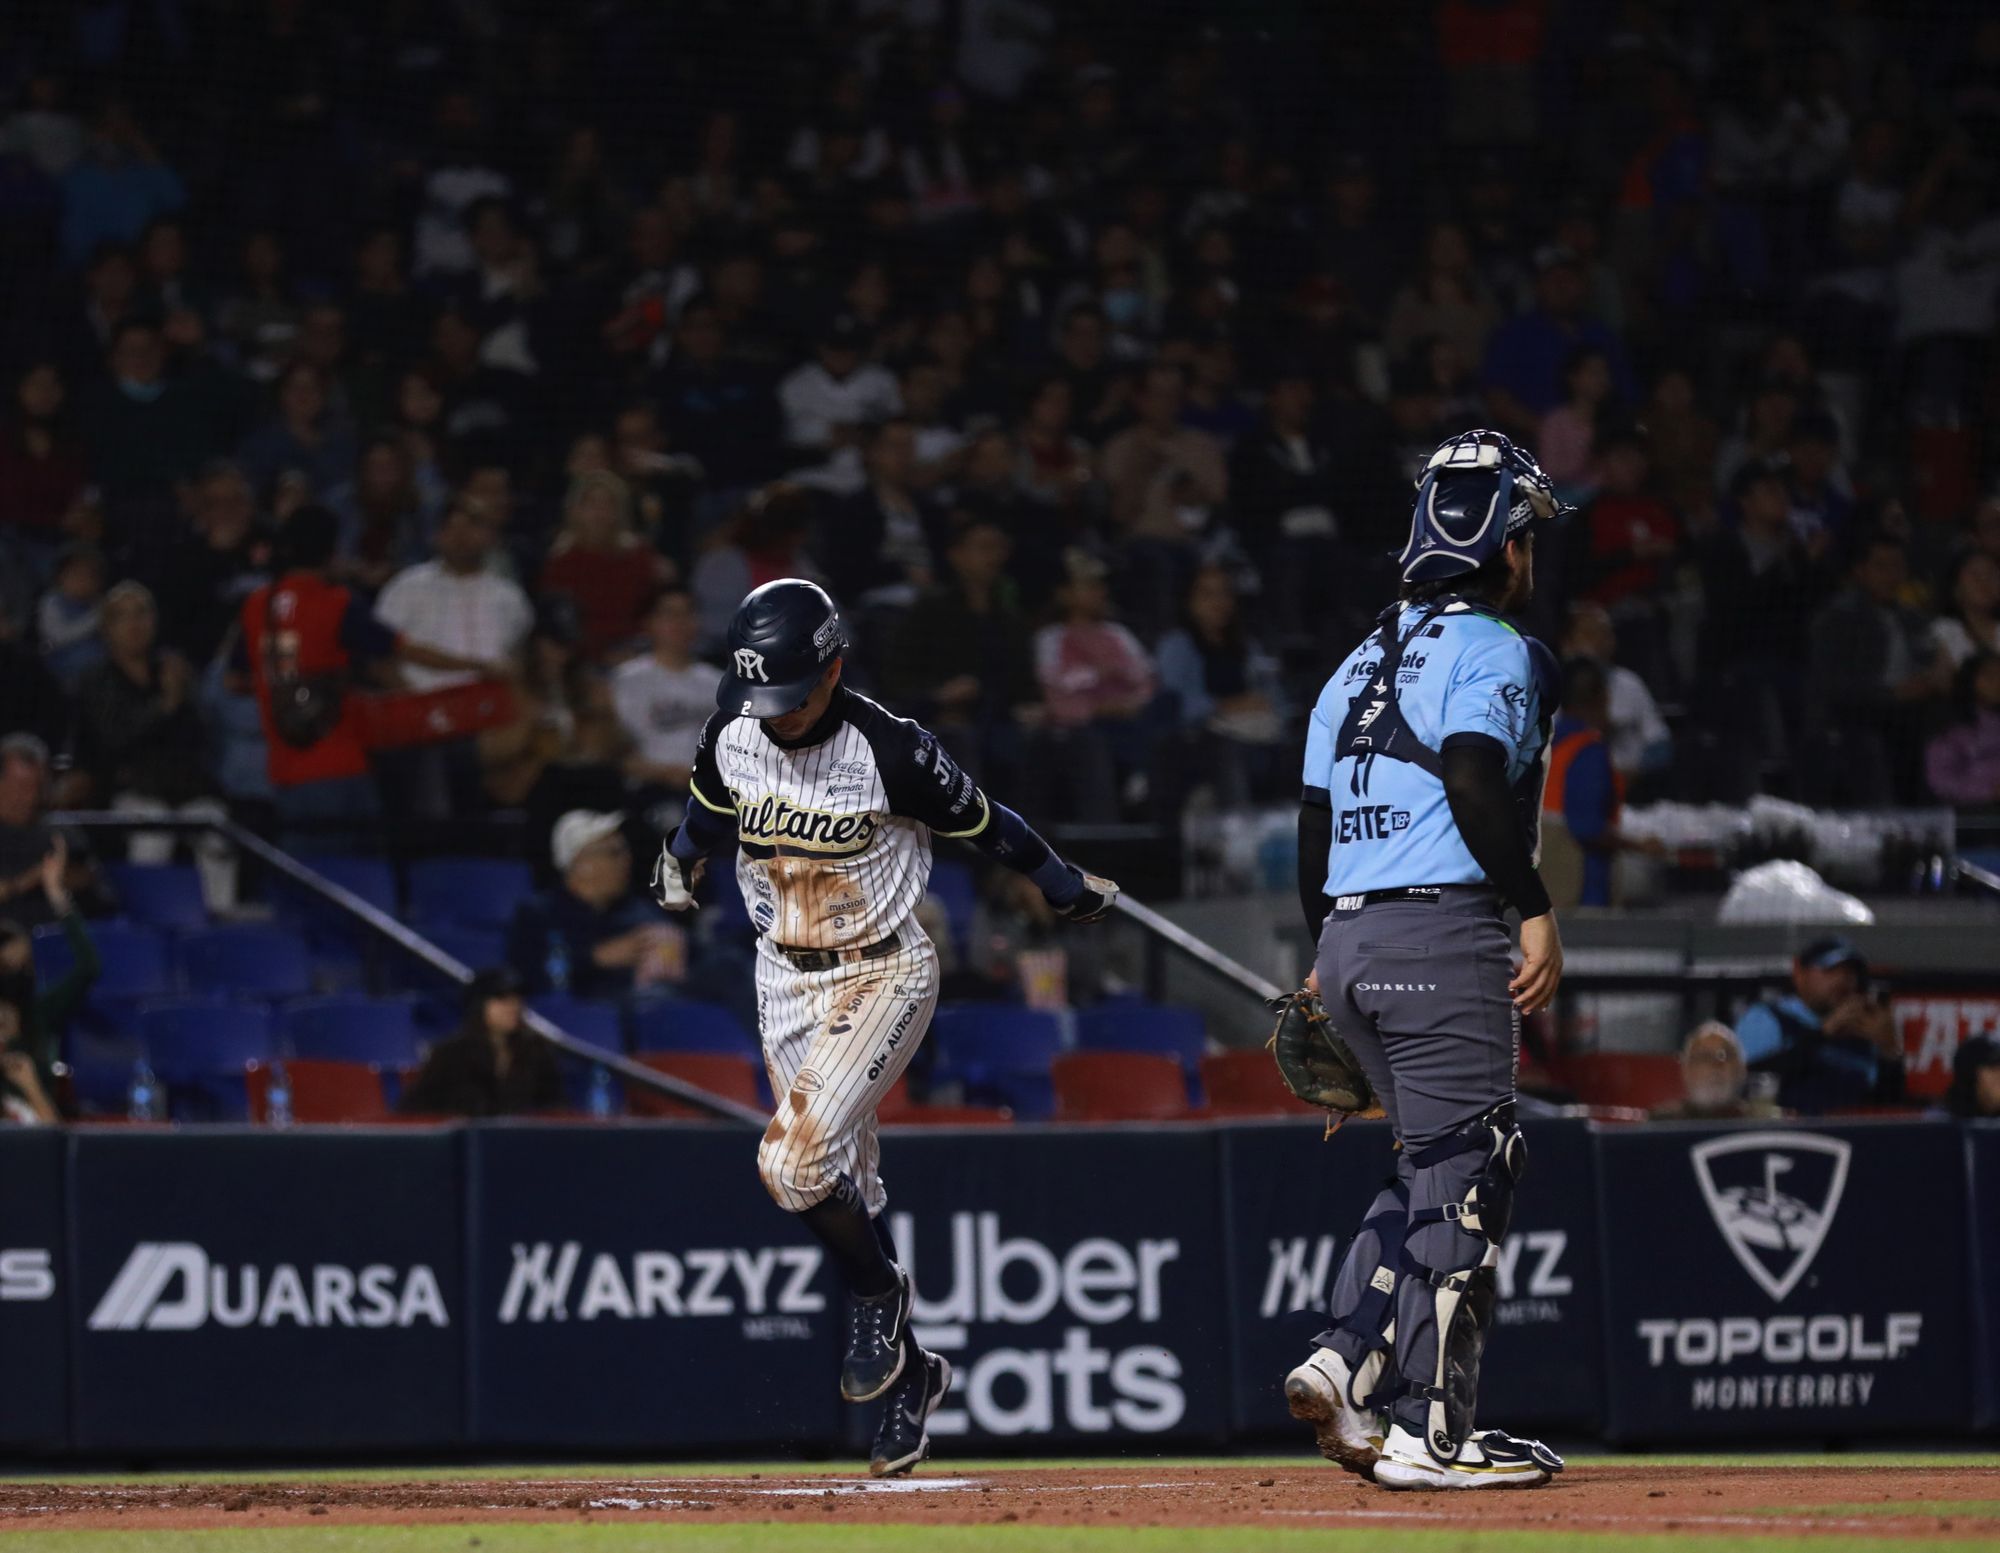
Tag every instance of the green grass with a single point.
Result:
(946, 1465)
(908, 1539)
(1966, 1509)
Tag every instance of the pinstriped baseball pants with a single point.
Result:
(835, 1042)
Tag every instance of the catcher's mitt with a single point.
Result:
(1314, 1061)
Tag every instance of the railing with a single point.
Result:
(416, 945)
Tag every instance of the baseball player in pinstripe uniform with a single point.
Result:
(833, 802)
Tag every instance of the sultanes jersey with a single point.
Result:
(1465, 673)
(834, 835)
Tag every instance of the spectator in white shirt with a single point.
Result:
(1641, 743)
(455, 604)
(828, 401)
(664, 696)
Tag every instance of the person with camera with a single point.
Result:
(1831, 1041)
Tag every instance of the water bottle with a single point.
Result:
(603, 1104)
(143, 1100)
(278, 1098)
(557, 964)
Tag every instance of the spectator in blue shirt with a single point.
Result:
(117, 186)
(1831, 1040)
(591, 936)
(1523, 371)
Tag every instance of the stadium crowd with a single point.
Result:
(1087, 363)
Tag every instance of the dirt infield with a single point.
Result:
(1738, 1500)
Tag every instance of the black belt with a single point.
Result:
(827, 959)
(1415, 894)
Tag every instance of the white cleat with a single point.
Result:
(1317, 1394)
(1488, 1459)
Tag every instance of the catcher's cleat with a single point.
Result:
(903, 1441)
(1318, 1393)
(875, 1342)
(1487, 1459)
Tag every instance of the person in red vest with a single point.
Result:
(1583, 786)
(308, 638)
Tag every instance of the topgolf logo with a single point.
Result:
(1773, 1196)
(172, 1286)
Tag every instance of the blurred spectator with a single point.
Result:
(304, 639)
(763, 540)
(33, 890)
(1831, 1040)
(143, 432)
(565, 741)
(1099, 391)
(46, 1009)
(1163, 476)
(42, 474)
(663, 697)
(1760, 587)
(24, 1094)
(1713, 1079)
(961, 660)
(66, 620)
(1874, 675)
(1097, 685)
(31, 701)
(455, 605)
(1970, 622)
(1765, 439)
(1446, 301)
(1524, 357)
(1963, 762)
(387, 513)
(140, 740)
(494, 1065)
(1682, 439)
(1822, 495)
(1282, 480)
(602, 565)
(829, 400)
(304, 435)
(117, 185)
(1566, 444)
(1975, 1079)
(201, 580)
(42, 130)
(592, 936)
(1639, 738)
(722, 411)
(1583, 785)
(1226, 699)
(880, 537)
(1629, 534)
(257, 323)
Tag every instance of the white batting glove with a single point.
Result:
(1096, 900)
(674, 880)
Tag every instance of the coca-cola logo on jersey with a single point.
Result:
(779, 820)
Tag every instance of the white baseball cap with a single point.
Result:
(578, 829)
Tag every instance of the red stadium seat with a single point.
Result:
(322, 1090)
(733, 1078)
(1118, 1087)
(1246, 1083)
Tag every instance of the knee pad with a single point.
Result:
(1488, 1204)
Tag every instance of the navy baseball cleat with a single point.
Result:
(902, 1441)
(875, 1342)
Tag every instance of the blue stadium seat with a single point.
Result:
(688, 1025)
(601, 1024)
(371, 878)
(1001, 1053)
(352, 1028)
(476, 948)
(135, 961)
(166, 895)
(470, 891)
(198, 1047)
(1132, 1025)
(958, 892)
(247, 959)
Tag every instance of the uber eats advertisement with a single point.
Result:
(1784, 1280)
(1074, 1281)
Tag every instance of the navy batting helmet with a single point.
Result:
(780, 642)
(1477, 492)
